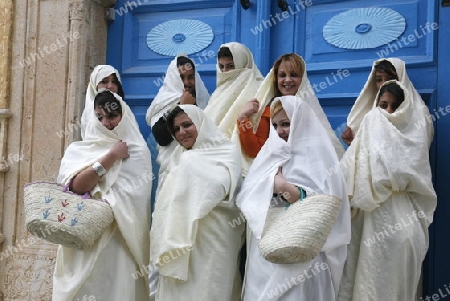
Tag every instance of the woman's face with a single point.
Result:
(282, 124)
(226, 64)
(185, 130)
(380, 78)
(287, 79)
(386, 102)
(108, 118)
(110, 83)
(187, 76)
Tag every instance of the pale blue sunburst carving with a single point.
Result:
(363, 28)
(180, 36)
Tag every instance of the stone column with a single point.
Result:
(6, 27)
(47, 51)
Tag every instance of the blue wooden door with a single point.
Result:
(146, 34)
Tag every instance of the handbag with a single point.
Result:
(60, 216)
(297, 233)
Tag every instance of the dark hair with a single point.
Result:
(106, 100)
(182, 60)
(386, 67)
(171, 117)
(224, 52)
(119, 85)
(396, 91)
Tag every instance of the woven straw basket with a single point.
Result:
(62, 217)
(298, 233)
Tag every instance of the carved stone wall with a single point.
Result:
(48, 49)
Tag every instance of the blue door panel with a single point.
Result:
(322, 55)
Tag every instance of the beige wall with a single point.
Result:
(47, 51)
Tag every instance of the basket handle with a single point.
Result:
(66, 187)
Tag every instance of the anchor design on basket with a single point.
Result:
(61, 217)
(65, 203)
(80, 206)
(45, 214)
(74, 221)
(48, 199)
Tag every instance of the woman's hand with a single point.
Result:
(347, 136)
(290, 192)
(187, 98)
(279, 182)
(248, 109)
(119, 151)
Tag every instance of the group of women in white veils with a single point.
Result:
(196, 204)
(274, 132)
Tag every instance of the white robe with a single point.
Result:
(392, 197)
(193, 244)
(105, 270)
(304, 159)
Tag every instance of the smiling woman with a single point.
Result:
(182, 128)
(107, 109)
(288, 77)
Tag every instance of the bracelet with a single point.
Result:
(302, 196)
(99, 169)
(302, 193)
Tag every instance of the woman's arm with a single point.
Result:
(86, 180)
(253, 142)
(161, 132)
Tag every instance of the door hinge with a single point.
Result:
(110, 14)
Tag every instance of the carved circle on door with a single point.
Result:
(363, 28)
(173, 37)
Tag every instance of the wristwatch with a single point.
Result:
(99, 169)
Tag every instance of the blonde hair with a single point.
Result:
(297, 65)
(276, 108)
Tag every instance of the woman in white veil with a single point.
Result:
(194, 244)
(113, 163)
(390, 188)
(304, 157)
(235, 85)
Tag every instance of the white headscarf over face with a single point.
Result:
(172, 89)
(305, 91)
(198, 180)
(390, 154)
(234, 88)
(97, 75)
(242, 58)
